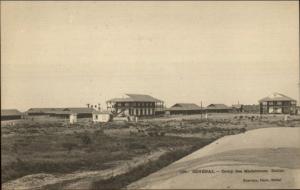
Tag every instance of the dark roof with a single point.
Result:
(217, 106)
(102, 112)
(44, 110)
(61, 110)
(135, 98)
(63, 113)
(184, 106)
(276, 97)
(80, 110)
(9, 112)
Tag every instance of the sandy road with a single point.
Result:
(262, 158)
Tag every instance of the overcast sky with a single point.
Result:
(57, 54)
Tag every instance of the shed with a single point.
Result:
(10, 114)
(217, 108)
(82, 112)
(184, 108)
(101, 116)
(73, 118)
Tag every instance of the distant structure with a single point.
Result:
(218, 108)
(277, 103)
(10, 114)
(73, 118)
(254, 108)
(135, 105)
(94, 106)
(237, 108)
(184, 108)
(81, 112)
(101, 116)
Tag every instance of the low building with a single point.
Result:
(82, 112)
(101, 116)
(277, 103)
(43, 111)
(184, 108)
(217, 108)
(135, 105)
(73, 118)
(10, 114)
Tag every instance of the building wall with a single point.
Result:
(10, 117)
(218, 110)
(101, 117)
(133, 108)
(73, 118)
(184, 112)
(278, 107)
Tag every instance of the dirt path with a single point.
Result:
(78, 180)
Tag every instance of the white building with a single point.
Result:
(73, 118)
(101, 116)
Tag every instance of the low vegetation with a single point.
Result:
(32, 147)
(121, 181)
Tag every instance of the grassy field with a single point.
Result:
(54, 147)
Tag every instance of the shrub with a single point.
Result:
(69, 146)
(86, 139)
(134, 145)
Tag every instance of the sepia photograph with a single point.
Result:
(150, 95)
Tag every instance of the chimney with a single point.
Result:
(88, 105)
(99, 107)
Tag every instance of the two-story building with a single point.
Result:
(135, 105)
(277, 103)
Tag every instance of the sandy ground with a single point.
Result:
(262, 158)
(80, 179)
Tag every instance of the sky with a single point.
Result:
(68, 54)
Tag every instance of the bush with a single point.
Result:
(69, 146)
(86, 139)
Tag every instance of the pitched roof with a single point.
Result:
(217, 106)
(9, 112)
(135, 98)
(61, 110)
(143, 97)
(184, 106)
(44, 110)
(102, 112)
(276, 97)
(80, 110)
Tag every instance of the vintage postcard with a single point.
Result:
(150, 95)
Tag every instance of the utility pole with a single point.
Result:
(201, 110)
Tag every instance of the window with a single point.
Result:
(293, 102)
(264, 103)
(279, 103)
(96, 116)
(271, 103)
